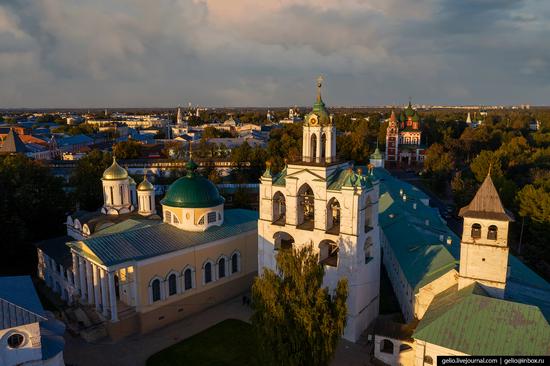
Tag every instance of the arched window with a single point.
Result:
(201, 221)
(492, 233)
(386, 346)
(172, 284)
(367, 248)
(323, 147)
(175, 219)
(188, 279)
(313, 147)
(368, 215)
(333, 217)
(428, 360)
(279, 209)
(306, 208)
(235, 263)
(283, 241)
(328, 253)
(208, 272)
(476, 231)
(121, 195)
(167, 216)
(155, 289)
(221, 268)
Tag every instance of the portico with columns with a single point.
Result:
(103, 287)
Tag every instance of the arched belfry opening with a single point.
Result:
(306, 208)
(283, 241)
(279, 209)
(328, 253)
(333, 217)
(323, 147)
(313, 147)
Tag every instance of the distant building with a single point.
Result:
(29, 336)
(403, 139)
(293, 116)
(534, 125)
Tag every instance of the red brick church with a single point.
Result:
(403, 136)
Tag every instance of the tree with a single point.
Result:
(480, 165)
(32, 207)
(127, 149)
(86, 179)
(297, 322)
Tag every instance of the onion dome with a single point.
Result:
(145, 185)
(115, 172)
(409, 111)
(192, 191)
(319, 115)
(415, 117)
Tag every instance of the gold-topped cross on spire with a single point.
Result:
(320, 81)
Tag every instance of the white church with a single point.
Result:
(323, 201)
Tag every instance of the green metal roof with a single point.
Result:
(347, 177)
(155, 240)
(471, 322)
(192, 191)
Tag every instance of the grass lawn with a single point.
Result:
(230, 342)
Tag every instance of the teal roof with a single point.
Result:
(20, 291)
(347, 177)
(405, 228)
(130, 224)
(146, 242)
(280, 178)
(471, 322)
(192, 191)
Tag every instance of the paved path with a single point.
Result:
(134, 350)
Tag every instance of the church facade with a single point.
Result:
(403, 139)
(325, 202)
(141, 272)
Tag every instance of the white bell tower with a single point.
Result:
(319, 134)
(484, 245)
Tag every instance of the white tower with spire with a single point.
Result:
(328, 204)
(484, 245)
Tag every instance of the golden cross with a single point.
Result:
(320, 81)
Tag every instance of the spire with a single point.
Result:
(468, 119)
(179, 119)
(319, 85)
(486, 203)
(392, 116)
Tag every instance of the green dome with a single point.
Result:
(115, 172)
(319, 111)
(192, 191)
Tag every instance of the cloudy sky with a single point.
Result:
(126, 53)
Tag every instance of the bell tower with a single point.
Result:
(484, 245)
(319, 133)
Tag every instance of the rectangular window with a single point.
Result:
(211, 217)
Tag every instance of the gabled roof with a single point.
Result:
(347, 177)
(471, 322)
(19, 303)
(13, 144)
(486, 204)
(144, 242)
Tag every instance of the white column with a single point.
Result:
(83, 287)
(76, 277)
(112, 296)
(95, 271)
(90, 282)
(104, 289)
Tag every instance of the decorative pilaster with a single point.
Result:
(95, 271)
(90, 282)
(83, 287)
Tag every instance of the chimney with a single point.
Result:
(414, 206)
(449, 240)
